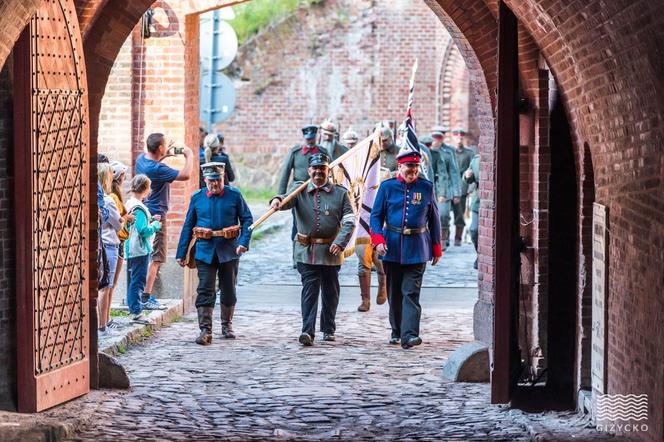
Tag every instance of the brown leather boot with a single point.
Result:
(381, 296)
(445, 233)
(205, 324)
(457, 235)
(227, 321)
(365, 292)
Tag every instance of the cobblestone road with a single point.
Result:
(264, 385)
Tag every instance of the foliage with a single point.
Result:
(119, 313)
(253, 16)
(258, 195)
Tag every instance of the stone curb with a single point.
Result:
(139, 332)
(27, 429)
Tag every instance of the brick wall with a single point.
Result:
(7, 246)
(354, 69)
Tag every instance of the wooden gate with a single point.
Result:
(51, 169)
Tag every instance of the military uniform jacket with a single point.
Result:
(323, 212)
(446, 172)
(400, 205)
(335, 149)
(297, 161)
(463, 159)
(475, 167)
(216, 212)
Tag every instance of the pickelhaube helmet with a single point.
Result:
(350, 135)
(328, 127)
(385, 132)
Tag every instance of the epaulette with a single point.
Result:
(296, 147)
(197, 192)
(344, 188)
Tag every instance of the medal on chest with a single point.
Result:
(417, 198)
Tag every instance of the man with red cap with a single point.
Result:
(405, 230)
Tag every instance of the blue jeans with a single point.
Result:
(112, 254)
(137, 272)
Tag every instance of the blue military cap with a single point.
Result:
(319, 159)
(309, 131)
(213, 170)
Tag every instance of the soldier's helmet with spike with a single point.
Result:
(328, 127)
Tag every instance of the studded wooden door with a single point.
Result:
(51, 165)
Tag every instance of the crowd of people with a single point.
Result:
(421, 191)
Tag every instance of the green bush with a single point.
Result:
(253, 16)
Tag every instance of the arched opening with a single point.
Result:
(568, 46)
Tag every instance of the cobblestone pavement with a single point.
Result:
(264, 385)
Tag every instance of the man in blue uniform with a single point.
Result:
(325, 224)
(405, 230)
(219, 218)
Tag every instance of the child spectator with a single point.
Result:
(139, 245)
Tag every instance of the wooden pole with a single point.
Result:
(351, 152)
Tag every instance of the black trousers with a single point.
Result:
(404, 282)
(324, 280)
(227, 274)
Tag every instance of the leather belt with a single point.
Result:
(407, 230)
(307, 240)
(227, 232)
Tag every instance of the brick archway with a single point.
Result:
(610, 81)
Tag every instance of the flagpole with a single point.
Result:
(350, 153)
(411, 90)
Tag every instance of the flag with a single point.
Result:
(360, 174)
(410, 141)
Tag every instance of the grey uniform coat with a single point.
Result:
(446, 172)
(463, 159)
(321, 212)
(297, 162)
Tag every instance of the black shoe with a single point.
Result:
(411, 342)
(306, 340)
(394, 341)
(329, 337)
(475, 264)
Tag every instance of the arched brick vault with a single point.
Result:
(606, 60)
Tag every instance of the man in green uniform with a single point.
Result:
(329, 141)
(326, 222)
(297, 164)
(472, 175)
(447, 185)
(463, 158)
